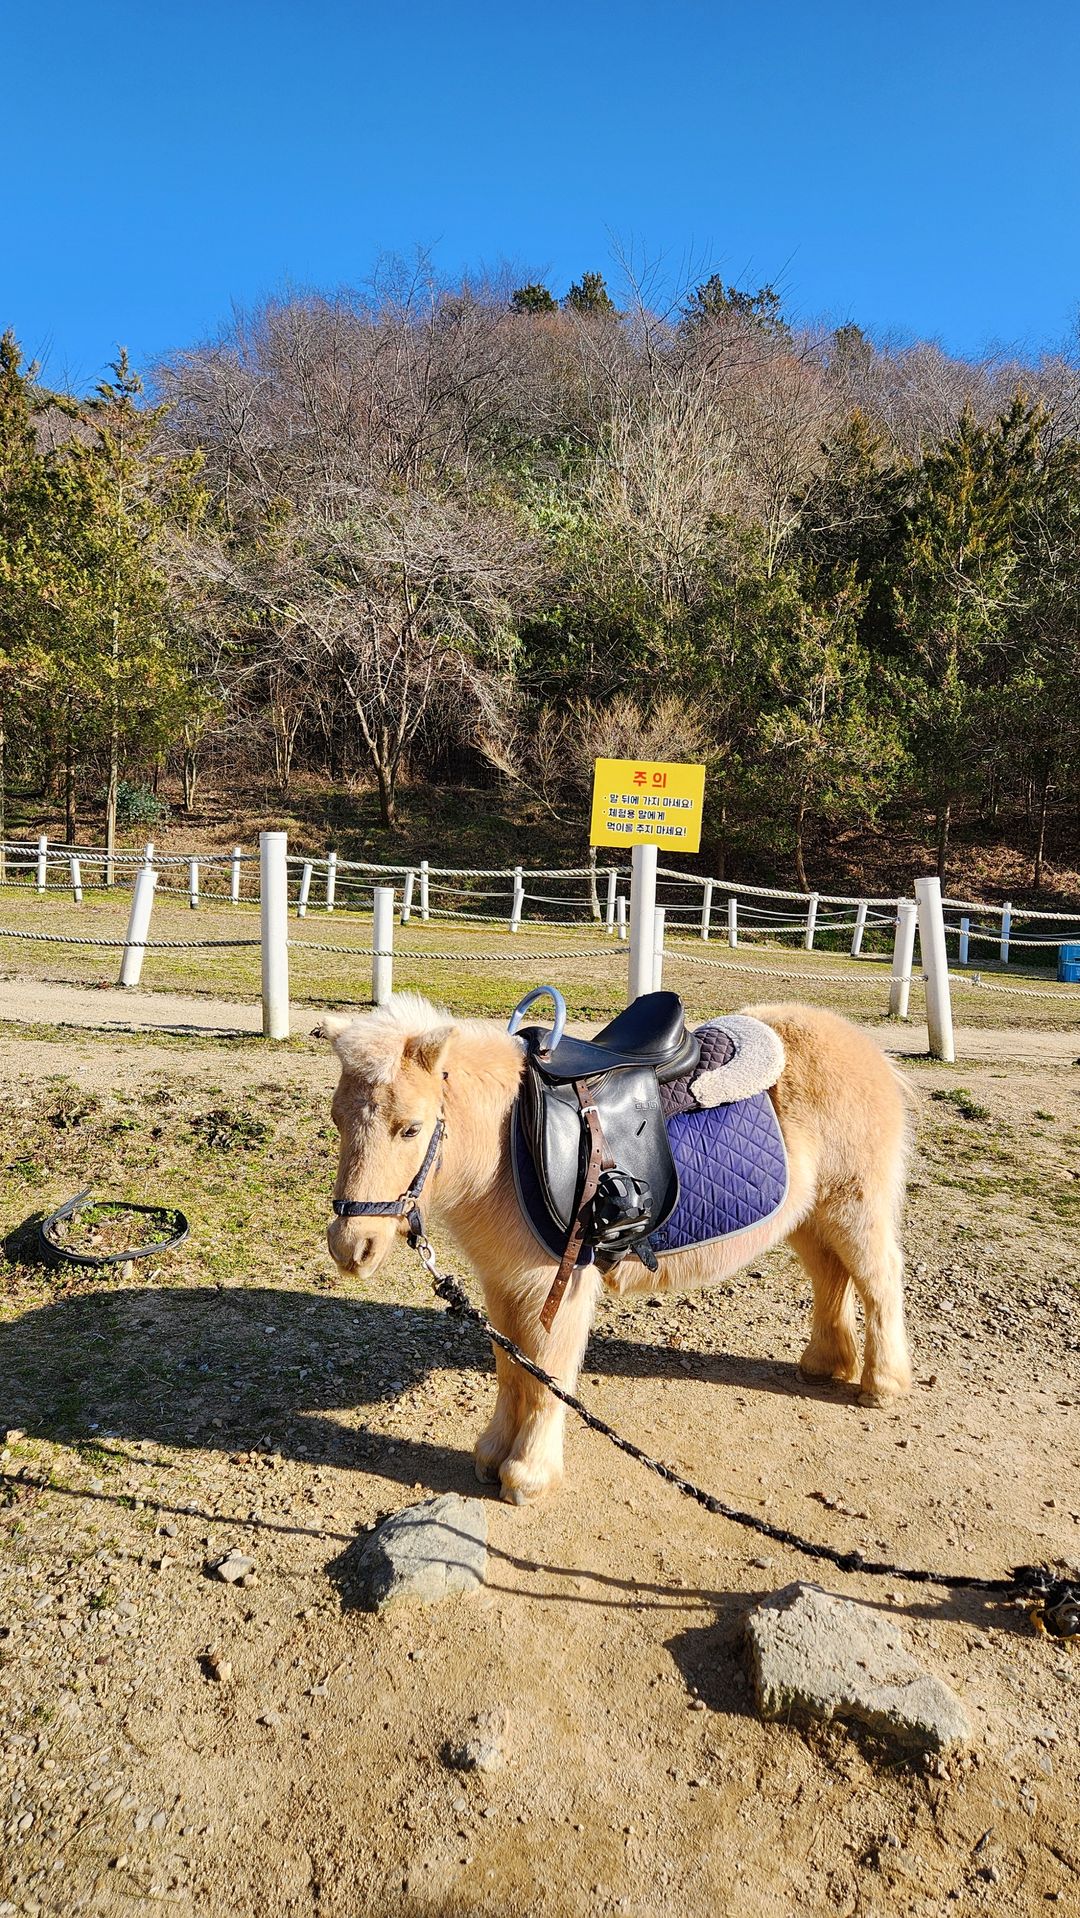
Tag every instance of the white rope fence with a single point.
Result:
(635, 911)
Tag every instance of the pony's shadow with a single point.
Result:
(265, 1368)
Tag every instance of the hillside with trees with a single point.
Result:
(458, 538)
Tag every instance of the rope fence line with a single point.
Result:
(395, 952)
(118, 945)
(763, 972)
(674, 930)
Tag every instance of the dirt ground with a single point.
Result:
(239, 1395)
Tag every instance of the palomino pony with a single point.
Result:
(841, 1110)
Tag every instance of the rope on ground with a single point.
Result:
(1055, 1600)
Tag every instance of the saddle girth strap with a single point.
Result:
(600, 1160)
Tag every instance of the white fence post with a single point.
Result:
(860, 928)
(965, 929)
(43, 862)
(142, 904)
(706, 907)
(76, 879)
(193, 884)
(1006, 929)
(424, 889)
(811, 921)
(331, 880)
(382, 939)
(732, 921)
(234, 876)
(406, 897)
(609, 912)
(620, 915)
(518, 901)
(903, 953)
(658, 948)
(935, 962)
(305, 888)
(274, 915)
(148, 853)
(642, 919)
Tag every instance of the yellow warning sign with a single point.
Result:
(655, 800)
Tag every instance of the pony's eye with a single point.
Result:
(411, 1131)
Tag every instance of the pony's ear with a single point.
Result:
(426, 1049)
(332, 1024)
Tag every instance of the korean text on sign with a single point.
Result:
(644, 799)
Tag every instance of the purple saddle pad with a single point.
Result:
(732, 1168)
(733, 1172)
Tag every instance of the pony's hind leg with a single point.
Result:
(832, 1352)
(868, 1249)
(877, 1272)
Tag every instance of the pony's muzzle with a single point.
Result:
(351, 1245)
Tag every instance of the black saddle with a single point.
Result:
(589, 1112)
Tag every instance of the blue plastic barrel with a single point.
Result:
(1069, 965)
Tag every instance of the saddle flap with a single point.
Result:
(628, 1104)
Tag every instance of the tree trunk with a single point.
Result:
(944, 820)
(722, 845)
(385, 777)
(800, 867)
(1041, 844)
(110, 799)
(70, 823)
(3, 801)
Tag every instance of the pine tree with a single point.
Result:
(954, 592)
(533, 299)
(589, 295)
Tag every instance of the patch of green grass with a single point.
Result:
(1048, 1116)
(961, 1101)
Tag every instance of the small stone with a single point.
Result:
(763, 1563)
(169, 1530)
(274, 1720)
(234, 1568)
(217, 1668)
(485, 1748)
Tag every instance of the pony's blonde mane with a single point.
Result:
(370, 1043)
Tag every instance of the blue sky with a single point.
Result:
(914, 168)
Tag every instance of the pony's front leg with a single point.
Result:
(523, 1443)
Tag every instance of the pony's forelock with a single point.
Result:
(373, 1043)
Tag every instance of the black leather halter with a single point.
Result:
(406, 1207)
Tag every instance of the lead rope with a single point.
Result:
(1053, 1603)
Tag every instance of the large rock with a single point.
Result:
(820, 1656)
(426, 1553)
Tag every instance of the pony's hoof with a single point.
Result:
(523, 1485)
(815, 1367)
(879, 1392)
(487, 1471)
